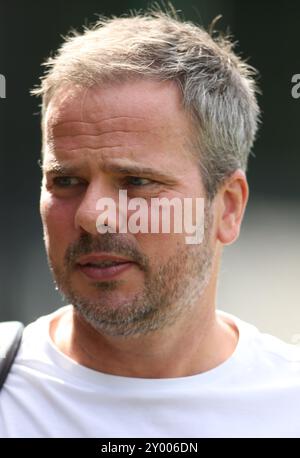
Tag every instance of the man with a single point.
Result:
(156, 108)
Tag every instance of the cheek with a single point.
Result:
(58, 221)
(160, 247)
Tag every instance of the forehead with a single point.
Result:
(134, 102)
(141, 120)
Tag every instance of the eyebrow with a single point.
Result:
(137, 170)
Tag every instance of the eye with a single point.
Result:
(66, 182)
(138, 181)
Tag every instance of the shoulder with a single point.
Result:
(35, 339)
(264, 353)
(276, 349)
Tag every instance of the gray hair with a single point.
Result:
(218, 87)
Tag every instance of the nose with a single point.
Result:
(88, 212)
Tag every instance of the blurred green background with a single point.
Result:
(260, 274)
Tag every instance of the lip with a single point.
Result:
(92, 258)
(103, 273)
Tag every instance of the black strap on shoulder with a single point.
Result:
(10, 339)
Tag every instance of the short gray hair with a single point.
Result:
(218, 87)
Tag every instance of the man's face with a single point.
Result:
(132, 136)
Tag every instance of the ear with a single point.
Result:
(231, 203)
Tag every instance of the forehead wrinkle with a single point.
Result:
(88, 104)
(105, 140)
(164, 133)
(90, 127)
(99, 134)
(85, 137)
(99, 149)
(104, 137)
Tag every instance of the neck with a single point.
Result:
(197, 343)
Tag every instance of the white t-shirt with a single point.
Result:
(254, 393)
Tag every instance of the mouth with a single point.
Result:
(103, 267)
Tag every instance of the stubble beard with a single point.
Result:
(170, 290)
